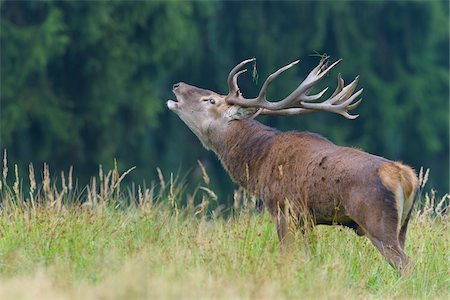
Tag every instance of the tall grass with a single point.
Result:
(107, 241)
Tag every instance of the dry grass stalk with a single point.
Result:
(94, 190)
(117, 185)
(89, 197)
(63, 182)
(209, 192)
(32, 179)
(423, 177)
(5, 200)
(46, 180)
(100, 173)
(46, 185)
(204, 173)
(16, 182)
(190, 202)
(145, 199)
(171, 191)
(431, 206)
(162, 183)
(105, 191)
(116, 177)
(70, 178)
(148, 196)
(59, 197)
(201, 208)
(140, 196)
(5, 166)
(443, 205)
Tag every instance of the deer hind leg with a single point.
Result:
(382, 230)
(391, 250)
(383, 233)
(402, 234)
(380, 221)
(403, 229)
(402, 182)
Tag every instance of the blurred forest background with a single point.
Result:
(84, 82)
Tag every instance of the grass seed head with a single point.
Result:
(16, 182)
(203, 169)
(70, 178)
(32, 178)
(63, 182)
(5, 166)
(46, 181)
(100, 172)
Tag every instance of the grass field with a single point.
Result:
(109, 242)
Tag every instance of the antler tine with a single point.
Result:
(233, 88)
(286, 112)
(263, 91)
(314, 97)
(301, 92)
(235, 98)
(340, 103)
(356, 104)
(348, 103)
(339, 86)
(299, 101)
(235, 83)
(330, 67)
(344, 93)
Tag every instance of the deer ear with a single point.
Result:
(236, 112)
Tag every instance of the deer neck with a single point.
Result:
(242, 148)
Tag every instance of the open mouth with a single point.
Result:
(173, 104)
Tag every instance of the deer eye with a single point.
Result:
(212, 101)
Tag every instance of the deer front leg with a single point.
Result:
(281, 222)
(285, 228)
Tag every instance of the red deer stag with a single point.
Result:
(300, 170)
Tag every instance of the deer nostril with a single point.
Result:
(176, 85)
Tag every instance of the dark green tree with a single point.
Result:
(83, 83)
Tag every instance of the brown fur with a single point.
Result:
(395, 173)
(316, 173)
(304, 175)
(331, 184)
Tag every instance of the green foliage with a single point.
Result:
(84, 82)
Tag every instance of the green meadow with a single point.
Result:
(109, 241)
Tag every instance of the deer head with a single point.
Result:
(207, 113)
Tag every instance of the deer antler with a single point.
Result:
(299, 101)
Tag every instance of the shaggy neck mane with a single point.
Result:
(243, 148)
